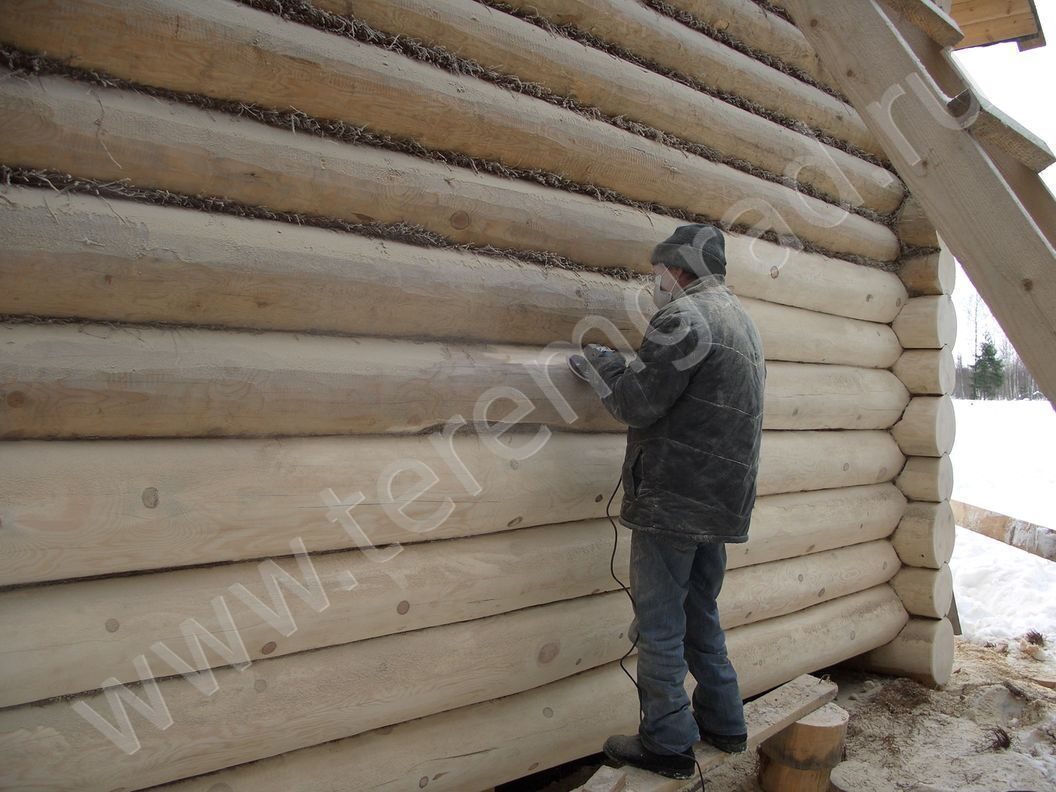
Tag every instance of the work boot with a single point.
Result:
(629, 750)
(727, 743)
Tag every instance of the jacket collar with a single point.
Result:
(706, 283)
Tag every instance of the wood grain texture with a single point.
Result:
(72, 509)
(927, 478)
(925, 534)
(183, 149)
(925, 592)
(85, 380)
(292, 702)
(927, 428)
(242, 273)
(425, 585)
(502, 653)
(1001, 229)
(618, 88)
(923, 651)
(931, 273)
(927, 371)
(330, 77)
(927, 323)
(660, 39)
(762, 30)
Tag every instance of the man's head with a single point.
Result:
(692, 252)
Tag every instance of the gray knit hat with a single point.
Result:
(697, 248)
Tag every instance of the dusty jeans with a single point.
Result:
(674, 585)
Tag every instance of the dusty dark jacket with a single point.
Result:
(695, 410)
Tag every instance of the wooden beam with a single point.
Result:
(922, 651)
(162, 144)
(764, 717)
(925, 535)
(457, 580)
(996, 31)
(513, 46)
(968, 12)
(994, 128)
(332, 77)
(658, 38)
(68, 381)
(761, 29)
(929, 17)
(979, 215)
(243, 273)
(232, 269)
(209, 501)
(477, 746)
(291, 702)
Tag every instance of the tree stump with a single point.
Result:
(801, 758)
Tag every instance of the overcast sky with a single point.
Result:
(1022, 84)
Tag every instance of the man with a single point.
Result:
(693, 399)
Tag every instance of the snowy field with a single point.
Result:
(1002, 462)
(1002, 458)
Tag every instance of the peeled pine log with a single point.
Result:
(67, 381)
(927, 323)
(73, 509)
(925, 592)
(751, 24)
(826, 459)
(927, 428)
(784, 275)
(801, 757)
(510, 45)
(925, 535)
(660, 39)
(913, 226)
(927, 478)
(264, 259)
(797, 523)
(424, 585)
(331, 77)
(267, 275)
(932, 273)
(292, 702)
(922, 651)
(840, 397)
(927, 371)
(293, 707)
(158, 144)
(820, 338)
(764, 591)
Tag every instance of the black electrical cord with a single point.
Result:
(627, 591)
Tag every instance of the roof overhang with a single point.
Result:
(986, 22)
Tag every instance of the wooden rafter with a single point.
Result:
(993, 211)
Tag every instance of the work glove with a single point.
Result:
(585, 366)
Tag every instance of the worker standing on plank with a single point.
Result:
(693, 399)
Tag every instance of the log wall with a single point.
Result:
(296, 491)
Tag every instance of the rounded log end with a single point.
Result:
(925, 534)
(927, 478)
(922, 651)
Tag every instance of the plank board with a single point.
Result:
(766, 716)
(1000, 231)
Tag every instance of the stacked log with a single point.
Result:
(926, 327)
(287, 306)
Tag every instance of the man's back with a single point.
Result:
(692, 471)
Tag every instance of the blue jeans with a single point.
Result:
(676, 621)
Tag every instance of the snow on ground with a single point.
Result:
(1003, 592)
(1001, 461)
(1002, 458)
